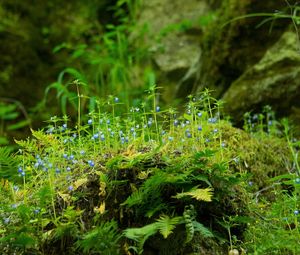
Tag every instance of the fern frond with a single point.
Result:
(205, 232)
(166, 224)
(7, 163)
(199, 194)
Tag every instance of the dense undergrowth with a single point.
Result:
(152, 181)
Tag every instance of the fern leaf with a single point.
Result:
(166, 224)
(205, 232)
(199, 194)
(7, 163)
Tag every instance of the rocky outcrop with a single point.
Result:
(274, 80)
(175, 30)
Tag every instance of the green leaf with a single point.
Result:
(205, 232)
(18, 125)
(166, 224)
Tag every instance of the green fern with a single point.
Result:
(166, 224)
(103, 239)
(199, 194)
(7, 164)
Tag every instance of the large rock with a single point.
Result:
(274, 80)
(230, 48)
(174, 37)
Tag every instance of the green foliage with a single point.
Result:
(103, 239)
(7, 163)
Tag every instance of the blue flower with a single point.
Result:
(116, 99)
(199, 114)
(297, 180)
(199, 128)
(82, 152)
(96, 136)
(6, 220)
(68, 168)
(157, 109)
(91, 163)
(70, 188)
(212, 120)
(170, 138)
(90, 121)
(36, 211)
(20, 169)
(65, 155)
(296, 212)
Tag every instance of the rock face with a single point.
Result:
(274, 80)
(174, 32)
(231, 47)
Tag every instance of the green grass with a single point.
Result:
(149, 177)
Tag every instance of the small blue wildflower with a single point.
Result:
(236, 160)
(132, 129)
(82, 152)
(215, 130)
(188, 135)
(296, 212)
(270, 122)
(68, 168)
(65, 141)
(16, 188)
(45, 169)
(6, 220)
(90, 121)
(91, 163)
(116, 99)
(23, 174)
(170, 138)
(250, 183)
(36, 211)
(189, 112)
(57, 171)
(108, 122)
(65, 155)
(96, 136)
(74, 135)
(212, 120)
(70, 188)
(223, 144)
(199, 114)
(64, 126)
(149, 123)
(71, 157)
(187, 122)
(207, 140)
(297, 180)
(157, 109)
(102, 137)
(163, 132)
(126, 139)
(20, 169)
(112, 133)
(122, 140)
(14, 206)
(176, 123)
(199, 128)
